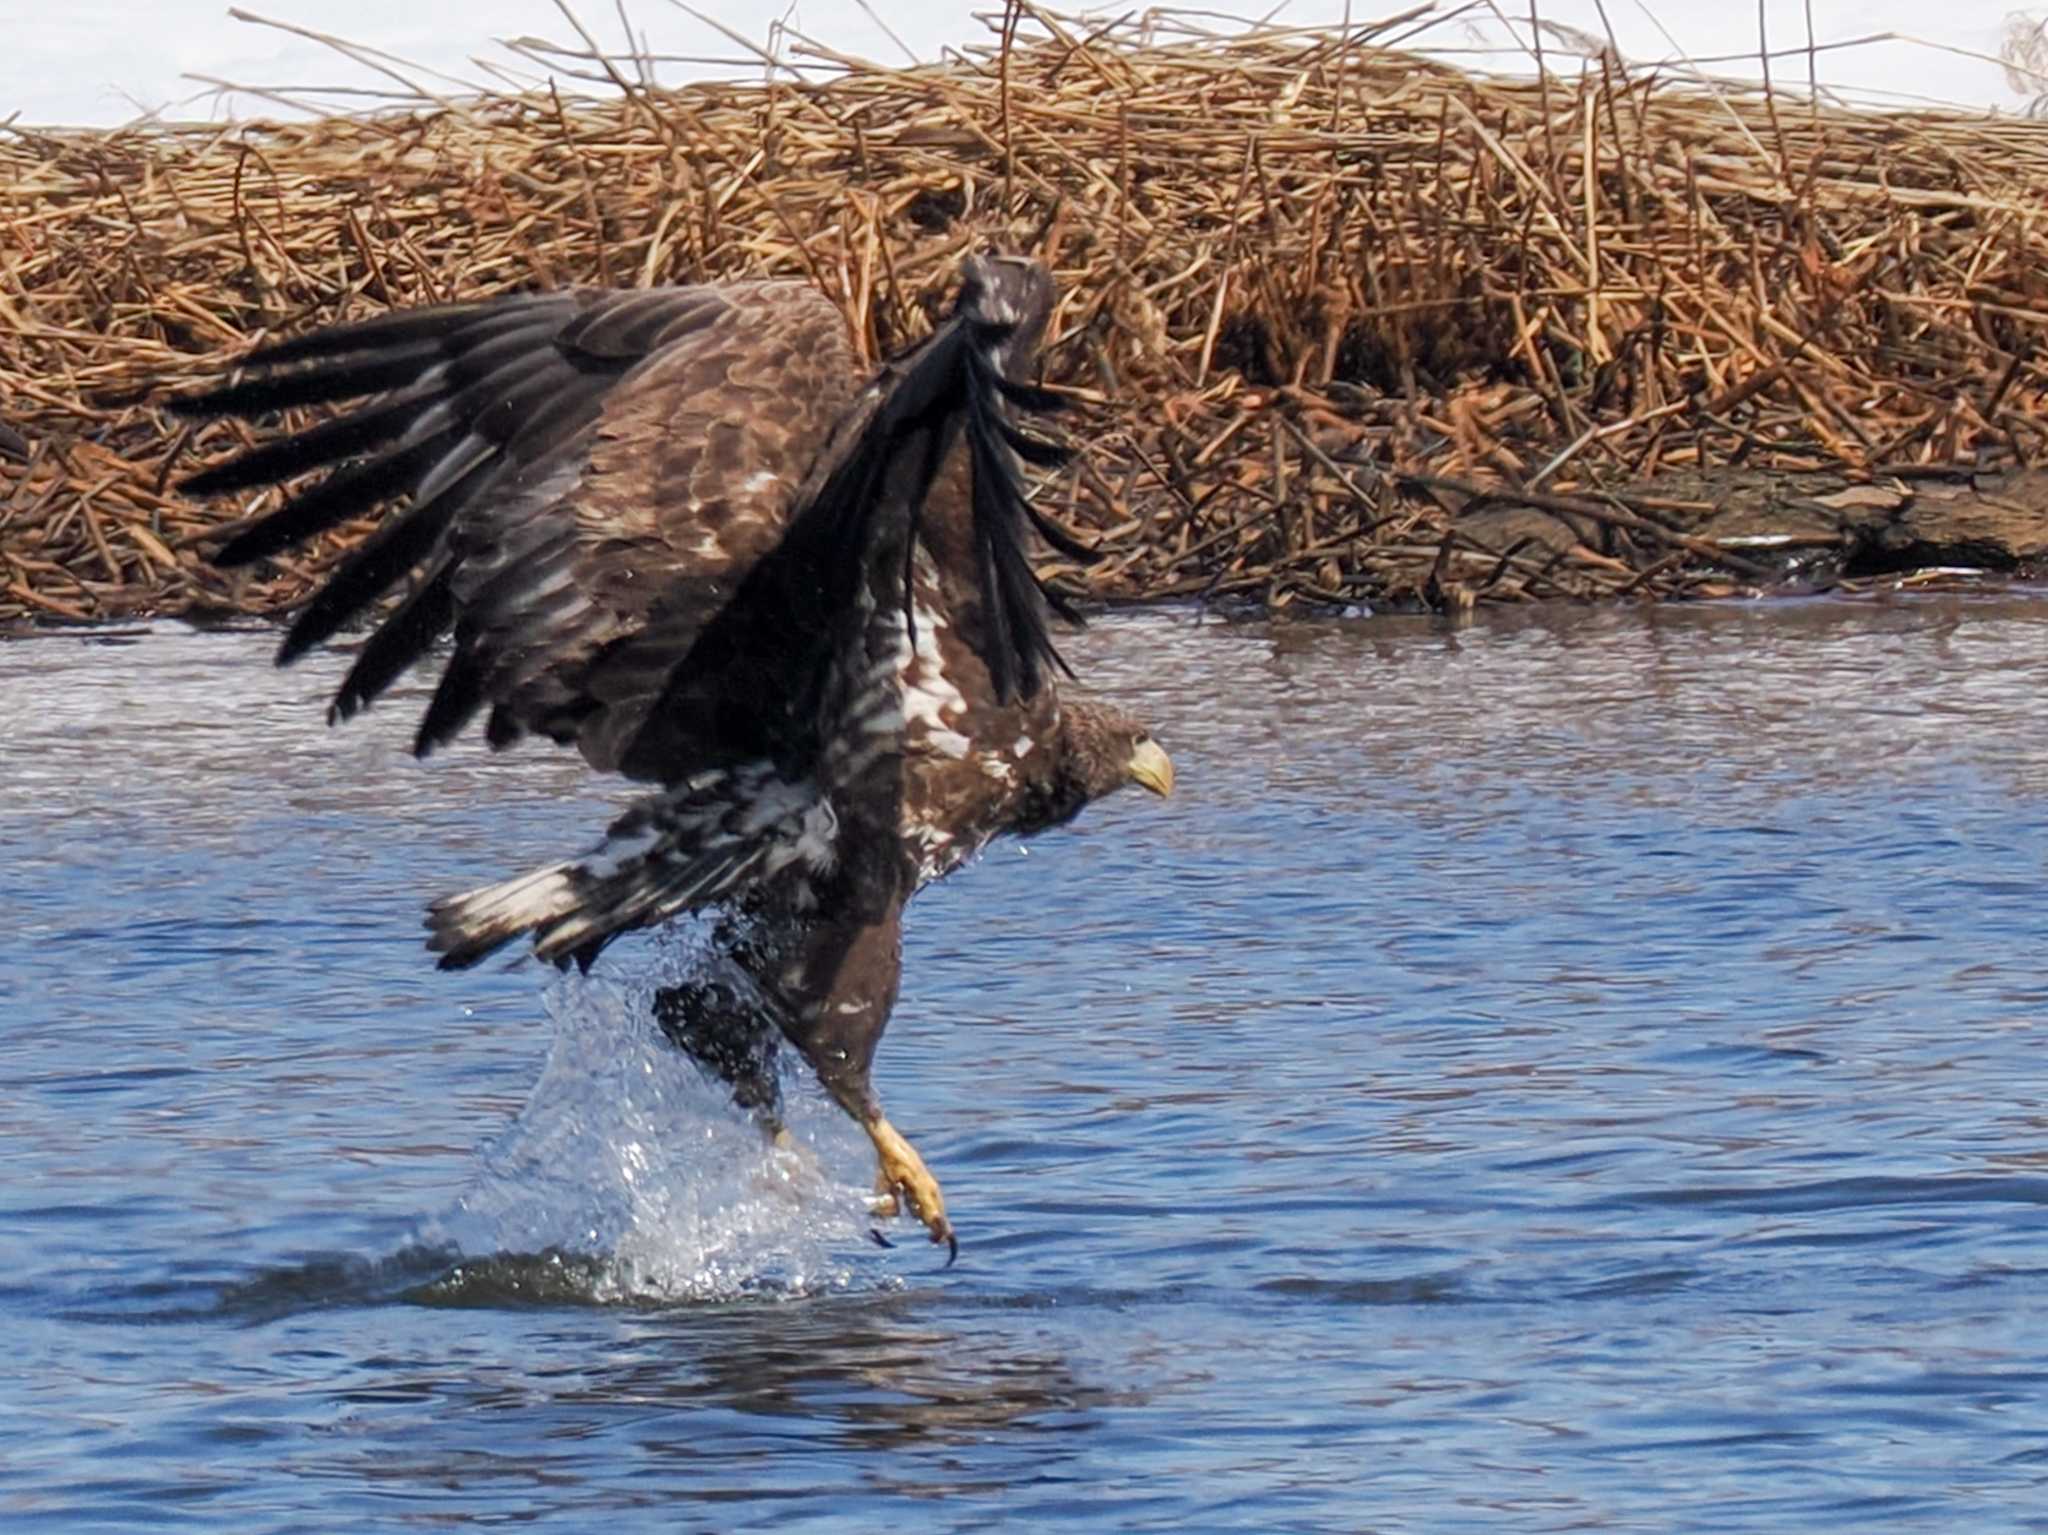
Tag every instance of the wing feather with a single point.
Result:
(547, 459)
(878, 492)
(379, 562)
(424, 616)
(331, 442)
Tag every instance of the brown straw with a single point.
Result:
(1342, 324)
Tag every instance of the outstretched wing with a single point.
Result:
(925, 460)
(586, 479)
(918, 492)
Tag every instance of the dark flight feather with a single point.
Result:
(329, 442)
(349, 492)
(434, 323)
(379, 561)
(457, 697)
(346, 380)
(399, 641)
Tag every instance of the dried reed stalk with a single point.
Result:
(1329, 306)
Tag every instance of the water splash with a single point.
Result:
(629, 1176)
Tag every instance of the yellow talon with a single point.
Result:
(903, 1178)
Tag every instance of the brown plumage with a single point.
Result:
(676, 529)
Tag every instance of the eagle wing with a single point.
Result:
(587, 478)
(821, 642)
(668, 526)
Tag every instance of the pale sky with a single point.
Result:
(103, 61)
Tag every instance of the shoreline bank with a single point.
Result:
(1340, 324)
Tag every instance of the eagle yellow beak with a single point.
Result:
(1151, 768)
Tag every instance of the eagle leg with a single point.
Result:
(904, 1179)
(732, 1043)
(832, 1001)
(720, 1027)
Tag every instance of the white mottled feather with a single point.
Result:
(687, 847)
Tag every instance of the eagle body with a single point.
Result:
(678, 530)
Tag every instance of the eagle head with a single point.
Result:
(1100, 749)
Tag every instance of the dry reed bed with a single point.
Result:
(1324, 301)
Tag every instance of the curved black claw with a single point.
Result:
(952, 1252)
(879, 1239)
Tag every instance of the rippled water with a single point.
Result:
(1583, 1071)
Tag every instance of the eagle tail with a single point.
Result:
(475, 924)
(671, 853)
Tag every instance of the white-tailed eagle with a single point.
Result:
(678, 529)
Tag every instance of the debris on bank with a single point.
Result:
(1341, 324)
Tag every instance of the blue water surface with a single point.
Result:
(1583, 1071)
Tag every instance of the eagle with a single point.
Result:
(682, 530)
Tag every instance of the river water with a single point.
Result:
(1583, 1071)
